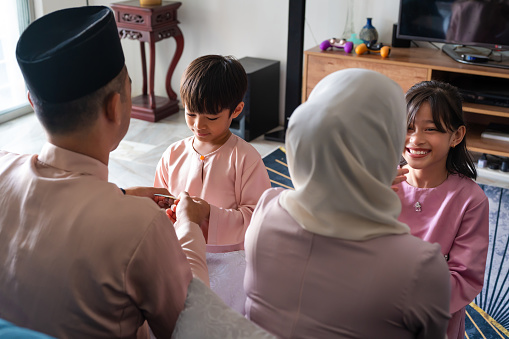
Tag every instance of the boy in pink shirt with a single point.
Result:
(225, 171)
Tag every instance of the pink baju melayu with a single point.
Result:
(80, 259)
(454, 215)
(231, 179)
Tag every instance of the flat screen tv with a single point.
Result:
(475, 23)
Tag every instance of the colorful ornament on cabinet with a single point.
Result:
(368, 33)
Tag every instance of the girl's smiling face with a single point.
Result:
(425, 146)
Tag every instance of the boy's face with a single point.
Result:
(212, 128)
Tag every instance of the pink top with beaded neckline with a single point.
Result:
(454, 215)
(231, 179)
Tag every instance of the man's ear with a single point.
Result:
(113, 108)
(238, 110)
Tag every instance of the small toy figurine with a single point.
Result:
(378, 48)
(338, 43)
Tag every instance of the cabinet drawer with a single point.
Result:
(319, 67)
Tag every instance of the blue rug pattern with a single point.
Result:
(276, 165)
(494, 297)
(487, 317)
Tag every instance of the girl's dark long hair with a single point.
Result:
(446, 107)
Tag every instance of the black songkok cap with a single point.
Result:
(70, 53)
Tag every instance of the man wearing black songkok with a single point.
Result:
(80, 259)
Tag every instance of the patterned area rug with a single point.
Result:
(276, 165)
(487, 316)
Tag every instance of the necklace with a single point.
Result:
(418, 205)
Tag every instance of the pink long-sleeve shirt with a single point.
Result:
(304, 285)
(81, 260)
(455, 215)
(231, 179)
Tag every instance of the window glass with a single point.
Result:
(12, 85)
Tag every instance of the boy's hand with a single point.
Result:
(149, 192)
(400, 177)
(165, 202)
(171, 211)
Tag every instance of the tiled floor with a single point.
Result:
(133, 163)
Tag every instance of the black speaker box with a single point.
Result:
(398, 42)
(261, 102)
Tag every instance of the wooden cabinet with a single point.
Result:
(408, 66)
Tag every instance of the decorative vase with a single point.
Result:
(369, 33)
(349, 27)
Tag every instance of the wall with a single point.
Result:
(244, 28)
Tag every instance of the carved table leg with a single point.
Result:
(143, 67)
(179, 38)
(151, 76)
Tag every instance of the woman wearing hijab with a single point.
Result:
(330, 259)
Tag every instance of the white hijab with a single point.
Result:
(343, 147)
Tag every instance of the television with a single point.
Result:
(473, 31)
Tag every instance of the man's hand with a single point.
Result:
(400, 177)
(191, 209)
(149, 192)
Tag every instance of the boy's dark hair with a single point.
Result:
(79, 114)
(446, 107)
(212, 83)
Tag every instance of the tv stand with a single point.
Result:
(407, 66)
(457, 51)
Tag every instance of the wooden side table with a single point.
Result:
(151, 24)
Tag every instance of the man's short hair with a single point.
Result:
(79, 114)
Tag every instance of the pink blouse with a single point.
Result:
(454, 215)
(304, 285)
